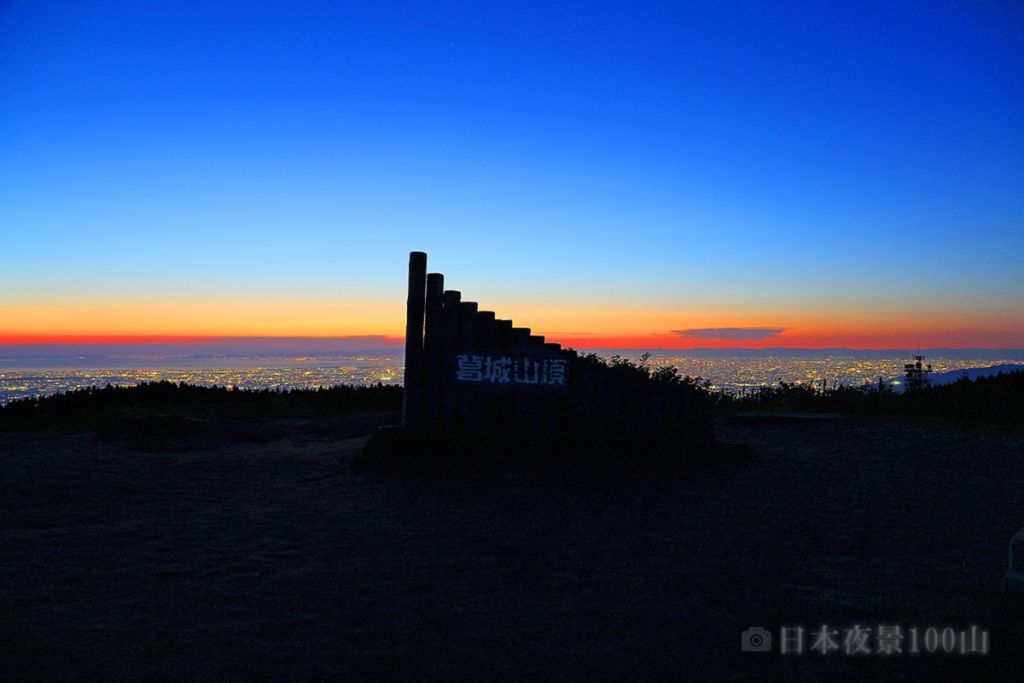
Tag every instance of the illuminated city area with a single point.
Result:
(300, 374)
(733, 374)
(736, 374)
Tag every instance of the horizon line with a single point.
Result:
(388, 342)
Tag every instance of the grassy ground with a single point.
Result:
(271, 559)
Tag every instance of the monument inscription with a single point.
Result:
(511, 370)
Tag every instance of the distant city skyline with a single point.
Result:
(732, 371)
(747, 175)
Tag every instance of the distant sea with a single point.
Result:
(729, 369)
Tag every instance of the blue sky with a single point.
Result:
(675, 153)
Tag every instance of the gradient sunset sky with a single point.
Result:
(622, 174)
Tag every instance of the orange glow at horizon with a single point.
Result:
(577, 324)
(200, 319)
(27, 339)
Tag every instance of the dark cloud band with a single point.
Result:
(734, 333)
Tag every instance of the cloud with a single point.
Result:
(733, 333)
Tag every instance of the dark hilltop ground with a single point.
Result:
(178, 533)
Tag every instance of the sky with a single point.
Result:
(618, 174)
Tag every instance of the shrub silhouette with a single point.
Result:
(997, 399)
(96, 406)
